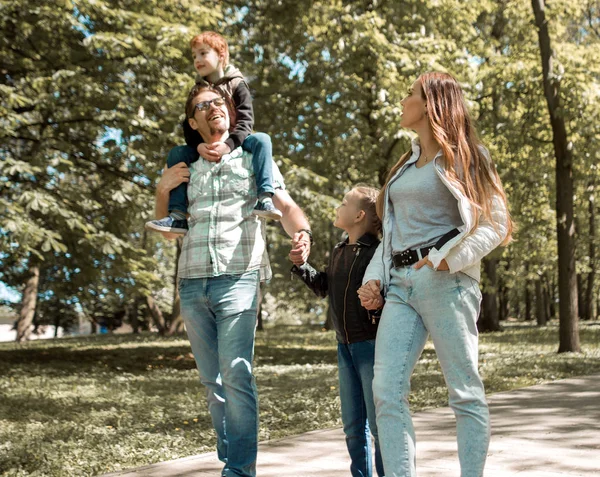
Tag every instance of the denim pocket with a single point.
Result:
(181, 284)
(473, 284)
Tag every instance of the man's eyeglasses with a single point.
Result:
(205, 105)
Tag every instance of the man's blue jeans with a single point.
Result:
(258, 144)
(220, 318)
(420, 303)
(355, 369)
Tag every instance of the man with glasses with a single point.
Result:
(210, 54)
(222, 262)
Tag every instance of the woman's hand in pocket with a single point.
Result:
(442, 267)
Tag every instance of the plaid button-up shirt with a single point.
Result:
(224, 237)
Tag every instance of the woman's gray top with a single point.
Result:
(423, 207)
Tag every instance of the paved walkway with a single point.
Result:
(550, 430)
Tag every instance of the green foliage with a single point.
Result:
(92, 94)
(86, 406)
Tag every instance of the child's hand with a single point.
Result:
(370, 296)
(207, 152)
(300, 248)
(220, 147)
(374, 304)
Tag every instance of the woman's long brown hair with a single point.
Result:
(465, 165)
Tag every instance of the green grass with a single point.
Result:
(86, 406)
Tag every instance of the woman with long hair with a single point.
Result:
(443, 209)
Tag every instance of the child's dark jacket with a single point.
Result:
(341, 281)
(233, 86)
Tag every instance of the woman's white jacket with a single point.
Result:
(464, 252)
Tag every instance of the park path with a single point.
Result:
(549, 430)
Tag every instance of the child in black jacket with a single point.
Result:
(355, 327)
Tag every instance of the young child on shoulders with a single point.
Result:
(355, 327)
(210, 53)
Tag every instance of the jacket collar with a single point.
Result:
(230, 73)
(366, 240)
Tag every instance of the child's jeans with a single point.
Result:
(420, 303)
(259, 144)
(355, 368)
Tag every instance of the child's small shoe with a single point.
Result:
(168, 224)
(266, 209)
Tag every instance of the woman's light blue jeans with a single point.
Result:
(220, 319)
(446, 306)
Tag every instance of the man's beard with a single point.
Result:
(219, 129)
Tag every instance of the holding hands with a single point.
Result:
(300, 248)
(370, 296)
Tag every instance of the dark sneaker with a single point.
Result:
(168, 224)
(265, 208)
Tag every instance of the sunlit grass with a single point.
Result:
(86, 406)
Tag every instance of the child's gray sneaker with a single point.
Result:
(265, 208)
(168, 224)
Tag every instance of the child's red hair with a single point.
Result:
(215, 41)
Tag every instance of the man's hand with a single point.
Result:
(300, 248)
(370, 295)
(173, 176)
(213, 152)
(442, 267)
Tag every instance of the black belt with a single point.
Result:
(409, 256)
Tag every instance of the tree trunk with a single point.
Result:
(489, 319)
(502, 305)
(134, 317)
(527, 297)
(540, 308)
(156, 315)
(503, 290)
(176, 326)
(567, 280)
(527, 301)
(589, 298)
(28, 304)
(581, 295)
(549, 297)
(259, 322)
(176, 311)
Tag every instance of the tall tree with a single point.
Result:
(92, 95)
(567, 276)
